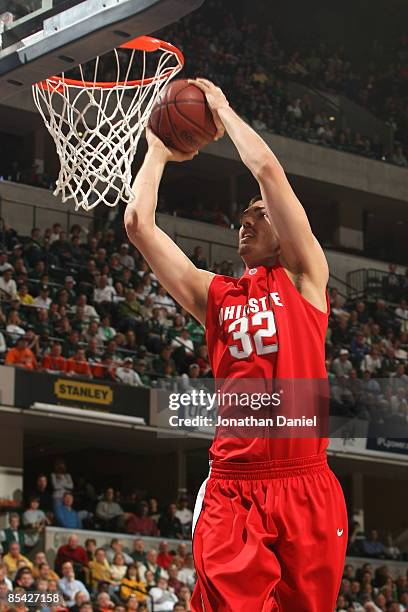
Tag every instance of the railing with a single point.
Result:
(30, 213)
(339, 281)
(199, 241)
(370, 282)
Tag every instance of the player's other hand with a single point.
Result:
(165, 153)
(216, 101)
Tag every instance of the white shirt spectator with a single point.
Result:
(30, 517)
(186, 342)
(129, 377)
(164, 301)
(401, 354)
(8, 287)
(163, 599)
(188, 576)
(90, 313)
(70, 588)
(106, 294)
(14, 331)
(61, 483)
(342, 368)
(402, 313)
(5, 266)
(185, 516)
(127, 260)
(41, 302)
(371, 364)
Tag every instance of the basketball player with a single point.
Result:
(270, 522)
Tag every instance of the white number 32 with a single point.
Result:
(249, 342)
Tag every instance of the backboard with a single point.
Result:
(44, 37)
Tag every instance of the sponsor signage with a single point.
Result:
(46, 388)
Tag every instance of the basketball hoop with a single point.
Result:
(96, 124)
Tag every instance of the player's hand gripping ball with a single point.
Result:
(182, 118)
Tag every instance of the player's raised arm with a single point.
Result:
(187, 284)
(300, 251)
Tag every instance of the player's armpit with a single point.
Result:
(179, 276)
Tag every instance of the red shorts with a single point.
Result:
(269, 536)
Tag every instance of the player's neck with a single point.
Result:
(268, 262)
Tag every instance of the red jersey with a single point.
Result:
(260, 327)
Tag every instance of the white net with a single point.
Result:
(97, 125)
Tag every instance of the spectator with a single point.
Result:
(42, 493)
(13, 558)
(118, 568)
(65, 515)
(342, 366)
(34, 520)
(109, 512)
(8, 287)
(372, 362)
(174, 583)
(4, 580)
(187, 574)
(116, 546)
(198, 258)
(185, 515)
(13, 533)
(126, 260)
(169, 525)
(69, 585)
(131, 584)
(391, 551)
(54, 362)
(61, 480)
(77, 365)
(164, 558)
(103, 602)
(139, 554)
(73, 552)
(99, 569)
(127, 375)
(162, 300)
(141, 523)
(41, 568)
(152, 566)
(104, 293)
(43, 300)
(14, 327)
(163, 599)
(372, 547)
(24, 580)
(21, 356)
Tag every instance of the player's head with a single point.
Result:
(258, 241)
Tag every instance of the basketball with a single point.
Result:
(181, 117)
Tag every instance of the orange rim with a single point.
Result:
(142, 43)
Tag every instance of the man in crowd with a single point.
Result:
(69, 586)
(141, 523)
(13, 533)
(13, 558)
(116, 546)
(65, 514)
(72, 551)
(110, 513)
(21, 356)
(169, 525)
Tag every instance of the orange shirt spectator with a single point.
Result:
(21, 356)
(54, 361)
(79, 365)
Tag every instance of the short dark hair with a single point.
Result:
(254, 199)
